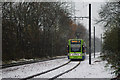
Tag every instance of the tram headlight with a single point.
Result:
(71, 54)
(79, 54)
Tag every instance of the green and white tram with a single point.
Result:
(76, 49)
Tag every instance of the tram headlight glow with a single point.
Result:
(79, 54)
(71, 54)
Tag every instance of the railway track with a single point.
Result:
(64, 72)
(26, 62)
(54, 77)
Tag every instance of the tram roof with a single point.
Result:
(75, 39)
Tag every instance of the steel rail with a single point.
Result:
(64, 72)
(29, 77)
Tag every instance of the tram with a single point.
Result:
(76, 49)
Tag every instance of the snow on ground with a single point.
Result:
(31, 69)
(95, 70)
(58, 71)
(84, 70)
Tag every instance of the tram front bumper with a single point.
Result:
(75, 57)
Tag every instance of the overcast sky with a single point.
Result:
(82, 9)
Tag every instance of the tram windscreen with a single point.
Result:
(75, 48)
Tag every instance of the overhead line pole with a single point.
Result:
(89, 33)
(94, 41)
(101, 43)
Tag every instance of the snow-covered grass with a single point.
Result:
(17, 61)
(84, 70)
(97, 69)
(35, 59)
(31, 69)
